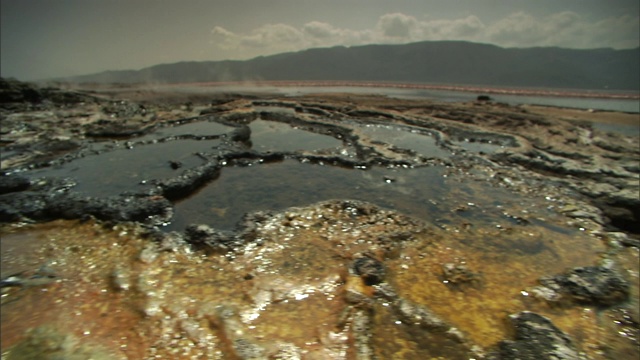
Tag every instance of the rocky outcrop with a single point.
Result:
(593, 285)
(536, 338)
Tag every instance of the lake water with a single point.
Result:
(631, 105)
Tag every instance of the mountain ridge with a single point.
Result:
(445, 62)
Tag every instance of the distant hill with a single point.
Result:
(442, 62)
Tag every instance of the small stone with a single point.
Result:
(372, 271)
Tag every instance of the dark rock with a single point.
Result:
(145, 209)
(189, 181)
(17, 206)
(241, 134)
(483, 98)
(52, 199)
(205, 237)
(371, 270)
(621, 215)
(123, 109)
(108, 128)
(536, 338)
(595, 285)
(175, 164)
(248, 226)
(457, 274)
(13, 183)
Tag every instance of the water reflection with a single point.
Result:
(275, 136)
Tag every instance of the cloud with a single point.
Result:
(565, 29)
(398, 25)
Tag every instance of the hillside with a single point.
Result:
(446, 62)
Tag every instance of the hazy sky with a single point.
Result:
(49, 38)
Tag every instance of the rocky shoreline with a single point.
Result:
(592, 177)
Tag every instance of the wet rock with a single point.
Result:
(20, 206)
(247, 228)
(409, 312)
(13, 183)
(241, 134)
(370, 270)
(175, 164)
(189, 181)
(205, 237)
(143, 209)
(536, 338)
(458, 273)
(595, 285)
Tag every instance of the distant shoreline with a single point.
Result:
(441, 87)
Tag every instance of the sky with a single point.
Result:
(43, 39)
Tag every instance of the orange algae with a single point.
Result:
(124, 295)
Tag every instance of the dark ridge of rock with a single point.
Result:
(249, 157)
(34, 202)
(13, 183)
(115, 128)
(370, 114)
(313, 111)
(235, 118)
(20, 206)
(189, 181)
(144, 209)
(596, 285)
(14, 91)
(51, 199)
(536, 337)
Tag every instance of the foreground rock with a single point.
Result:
(593, 285)
(536, 338)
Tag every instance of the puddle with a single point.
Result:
(628, 130)
(291, 183)
(118, 293)
(421, 192)
(424, 145)
(280, 137)
(116, 171)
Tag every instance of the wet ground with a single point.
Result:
(316, 227)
